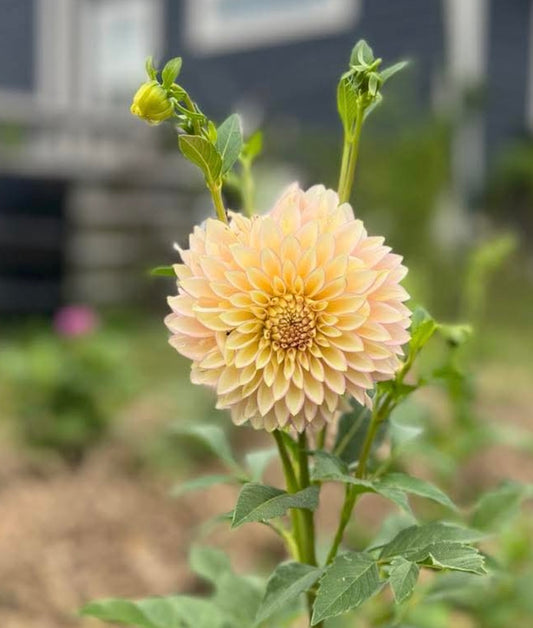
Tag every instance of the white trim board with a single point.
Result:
(219, 26)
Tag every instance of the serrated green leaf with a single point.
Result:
(229, 141)
(495, 508)
(209, 563)
(258, 502)
(177, 611)
(257, 462)
(170, 72)
(403, 575)
(203, 154)
(453, 556)
(417, 538)
(415, 486)
(212, 437)
(163, 271)
(285, 585)
(329, 468)
(347, 103)
(350, 580)
(200, 483)
(389, 72)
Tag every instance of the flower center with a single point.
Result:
(290, 322)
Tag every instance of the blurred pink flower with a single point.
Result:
(286, 313)
(75, 320)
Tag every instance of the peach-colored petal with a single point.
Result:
(286, 313)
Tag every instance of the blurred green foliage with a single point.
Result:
(64, 391)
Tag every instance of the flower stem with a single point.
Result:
(247, 188)
(292, 486)
(350, 153)
(216, 193)
(351, 493)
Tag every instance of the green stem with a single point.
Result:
(308, 521)
(293, 487)
(216, 193)
(247, 188)
(190, 105)
(350, 153)
(351, 494)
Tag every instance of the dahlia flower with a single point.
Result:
(285, 313)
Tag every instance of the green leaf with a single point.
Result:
(351, 433)
(417, 538)
(361, 54)
(351, 579)
(373, 84)
(253, 146)
(200, 483)
(405, 423)
(212, 437)
(403, 575)
(258, 502)
(202, 154)
(209, 563)
(378, 99)
(329, 468)
(150, 70)
(229, 141)
(423, 327)
(178, 611)
(238, 598)
(163, 271)
(285, 585)
(389, 72)
(257, 462)
(453, 556)
(347, 103)
(496, 508)
(415, 486)
(170, 71)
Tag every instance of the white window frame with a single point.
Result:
(207, 33)
(63, 50)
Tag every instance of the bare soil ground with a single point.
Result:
(69, 536)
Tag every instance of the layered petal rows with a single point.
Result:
(286, 313)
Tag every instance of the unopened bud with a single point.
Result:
(151, 103)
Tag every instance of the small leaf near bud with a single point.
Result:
(170, 71)
(362, 54)
(150, 69)
(151, 103)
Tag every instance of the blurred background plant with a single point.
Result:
(89, 200)
(64, 387)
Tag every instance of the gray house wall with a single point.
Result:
(507, 70)
(300, 77)
(17, 42)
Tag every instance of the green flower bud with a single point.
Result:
(151, 103)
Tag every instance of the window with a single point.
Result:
(226, 25)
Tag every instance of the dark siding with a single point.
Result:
(300, 77)
(31, 243)
(17, 42)
(507, 72)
